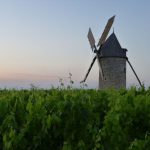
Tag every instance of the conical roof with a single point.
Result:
(112, 47)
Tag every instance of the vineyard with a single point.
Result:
(73, 119)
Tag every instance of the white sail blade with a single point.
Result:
(106, 31)
(91, 38)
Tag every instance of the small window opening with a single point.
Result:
(124, 70)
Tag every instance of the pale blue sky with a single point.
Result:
(41, 40)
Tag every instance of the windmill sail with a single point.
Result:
(91, 38)
(89, 70)
(106, 31)
(134, 73)
(100, 67)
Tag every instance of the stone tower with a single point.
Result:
(113, 64)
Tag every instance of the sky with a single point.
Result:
(43, 40)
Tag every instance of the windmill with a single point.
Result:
(111, 59)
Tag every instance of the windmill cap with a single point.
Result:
(112, 47)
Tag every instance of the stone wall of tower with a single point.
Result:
(114, 71)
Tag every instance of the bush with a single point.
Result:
(60, 119)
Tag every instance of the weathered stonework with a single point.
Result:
(114, 71)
